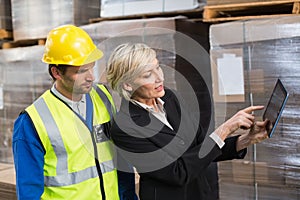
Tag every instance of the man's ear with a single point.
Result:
(127, 87)
(55, 72)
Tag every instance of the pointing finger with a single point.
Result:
(250, 109)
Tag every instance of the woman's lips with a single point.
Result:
(159, 88)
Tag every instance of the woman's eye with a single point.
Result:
(147, 75)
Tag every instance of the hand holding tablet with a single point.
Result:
(275, 106)
(258, 130)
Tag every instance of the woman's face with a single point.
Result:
(149, 84)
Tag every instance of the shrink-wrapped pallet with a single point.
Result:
(33, 19)
(23, 78)
(264, 50)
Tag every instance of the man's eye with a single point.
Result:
(81, 71)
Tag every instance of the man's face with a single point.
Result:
(76, 81)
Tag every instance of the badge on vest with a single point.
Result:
(100, 132)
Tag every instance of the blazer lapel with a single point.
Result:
(172, 111)
(143, 118)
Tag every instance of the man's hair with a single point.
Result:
(61, 68)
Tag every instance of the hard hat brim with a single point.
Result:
(95, 55)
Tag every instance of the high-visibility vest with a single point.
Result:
(70, 169)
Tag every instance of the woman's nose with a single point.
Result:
(159, 75)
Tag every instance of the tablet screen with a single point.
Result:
(275, 106)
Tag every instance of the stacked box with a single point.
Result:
(23, 78)
(113, 8)
(268, 50)
(5, 15)
(34, 19)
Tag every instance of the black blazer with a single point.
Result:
(168, 161)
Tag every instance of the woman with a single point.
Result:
(155, 133)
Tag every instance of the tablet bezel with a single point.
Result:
(282, 105)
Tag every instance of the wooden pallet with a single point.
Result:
(254, 10)
(22, 43)
(4, 34)
(223, 2)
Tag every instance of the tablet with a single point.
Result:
(275, 106)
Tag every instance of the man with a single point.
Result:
(60, 143)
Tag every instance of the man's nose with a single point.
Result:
(90, 75)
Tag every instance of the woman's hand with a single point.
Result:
(257, 133)
(242, 119)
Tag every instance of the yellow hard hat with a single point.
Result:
(70, 45)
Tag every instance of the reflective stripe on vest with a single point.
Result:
(63, 177)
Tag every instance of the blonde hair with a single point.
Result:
(126, 63)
